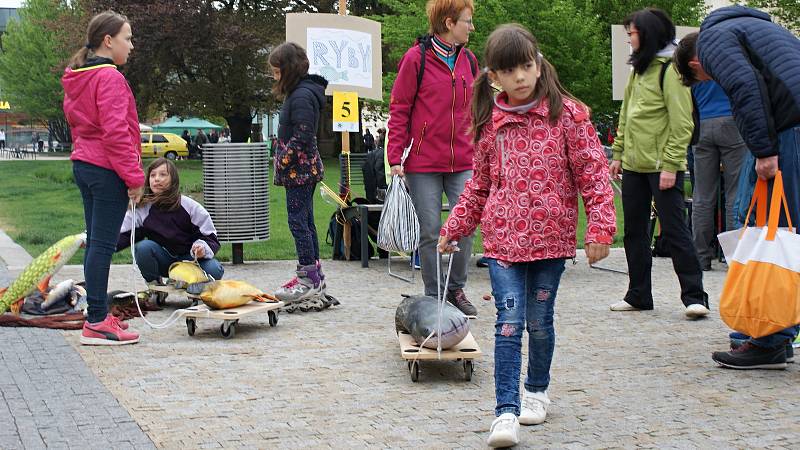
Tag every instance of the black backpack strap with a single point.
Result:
(421, 71)
(695, 121)
(473, 64)
(423, 42)
(664, 67)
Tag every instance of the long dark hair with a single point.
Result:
(292, 61)
(509, 46)
(169, 199)
(104, 24)
(656, 31)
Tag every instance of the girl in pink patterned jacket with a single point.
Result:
(536, 151)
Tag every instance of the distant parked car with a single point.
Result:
(168, 145)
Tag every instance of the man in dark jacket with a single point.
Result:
(757, 64)
(200, 140)
(369, 142)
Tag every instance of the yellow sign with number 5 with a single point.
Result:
(345, 111)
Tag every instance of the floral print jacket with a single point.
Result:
(297, 159)
(527, 179)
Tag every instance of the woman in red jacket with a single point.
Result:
(433, 114)
(101, 111)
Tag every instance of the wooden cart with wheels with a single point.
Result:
(230, 317)
(465, 351)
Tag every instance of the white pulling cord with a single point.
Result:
(440, 299)
(135, 272)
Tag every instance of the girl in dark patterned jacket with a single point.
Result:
(170, 227)
(298, 166)
(536, 150)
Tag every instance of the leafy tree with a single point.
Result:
(575, 35)
(32, 62)
(785, 12)
(204, 57)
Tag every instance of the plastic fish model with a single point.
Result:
(60, 292)
(184, 273)
(418, 316)
(225, 294)
(39, 272)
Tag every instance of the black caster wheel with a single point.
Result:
(273, 318)
(191, 326)
(413, 370)
(228, 330)
(468, 369)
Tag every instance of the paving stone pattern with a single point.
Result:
(335, 379)
(51, 399)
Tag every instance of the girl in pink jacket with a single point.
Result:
(536, 151)
(101, 112)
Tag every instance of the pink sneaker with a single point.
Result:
(107, 332)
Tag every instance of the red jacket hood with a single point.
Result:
(101, 111)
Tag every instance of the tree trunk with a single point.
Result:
(59, 131)
(240, 126)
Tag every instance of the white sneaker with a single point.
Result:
(696, 310)
(622, 305)
(534, 407)
(504, 431)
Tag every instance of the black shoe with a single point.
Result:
(460, 301)
(789, 349)
(706, 267)
(749, 356)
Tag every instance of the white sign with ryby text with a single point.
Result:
(342, 57)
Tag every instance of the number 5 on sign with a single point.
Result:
(345, 111)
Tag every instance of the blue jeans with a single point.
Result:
(789, 163)
(524, 295)
(154, 261)
(105, 198)
(300, 209)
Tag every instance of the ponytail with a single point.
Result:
(482, 104)
(549, 86)
(79, 58)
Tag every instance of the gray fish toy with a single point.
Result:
(418, 316)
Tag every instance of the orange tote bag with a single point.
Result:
(761, 295)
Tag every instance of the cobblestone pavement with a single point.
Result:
(335, 379)
(50, 397)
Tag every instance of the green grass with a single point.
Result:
(39, 204)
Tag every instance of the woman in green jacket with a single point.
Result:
(655, 127)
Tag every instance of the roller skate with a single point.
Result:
(306, 292)
(305, 285)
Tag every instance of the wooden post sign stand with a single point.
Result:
(346, 51)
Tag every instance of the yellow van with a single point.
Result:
(168, 145)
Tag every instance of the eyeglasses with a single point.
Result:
(631, 32)
(467, 21)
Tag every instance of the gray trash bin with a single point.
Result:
(236, 192)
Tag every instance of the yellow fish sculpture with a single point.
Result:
(39, 272)
(226, 294)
